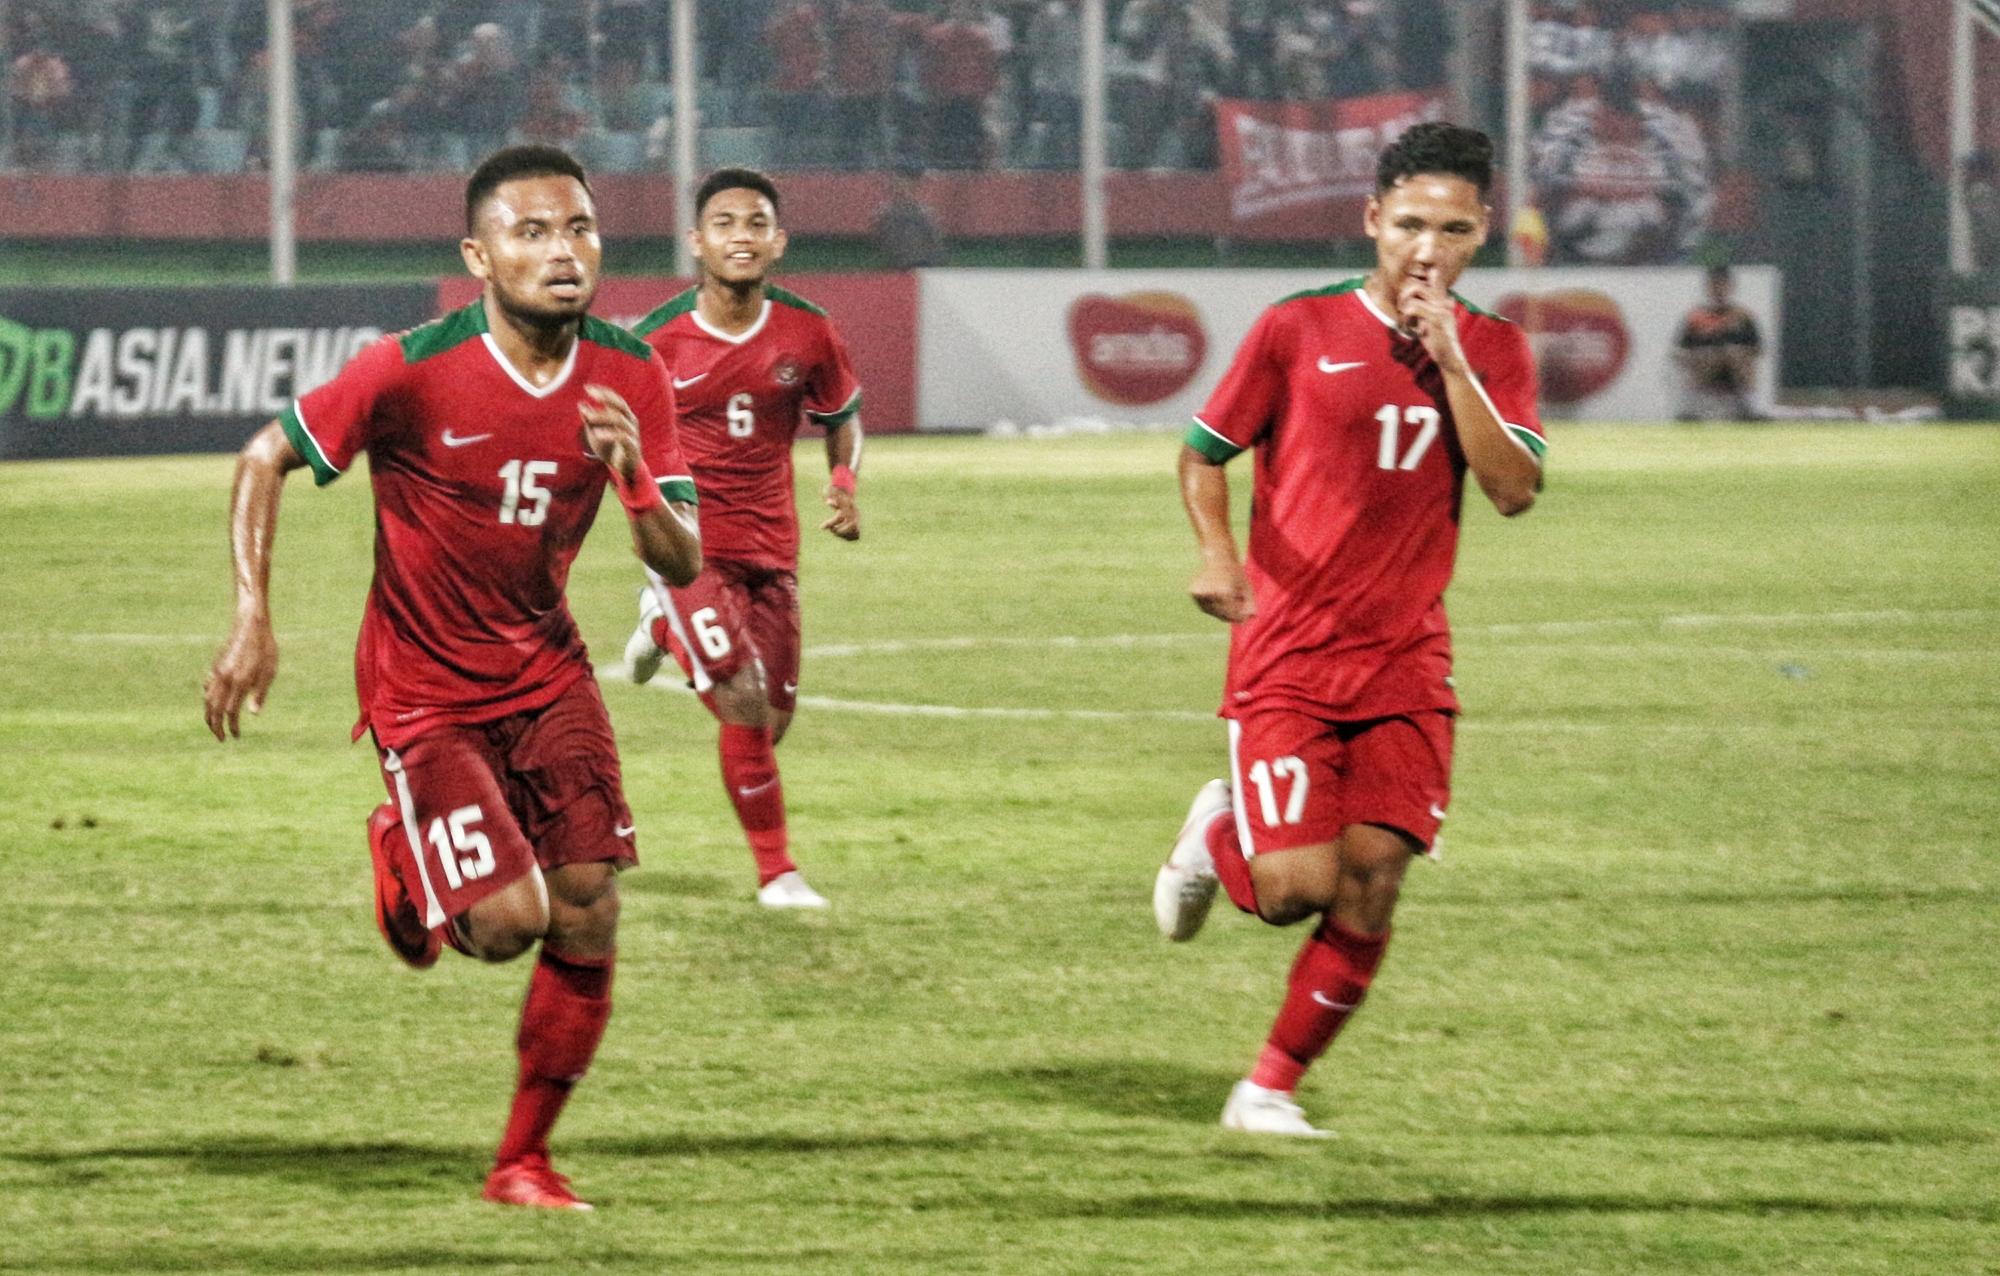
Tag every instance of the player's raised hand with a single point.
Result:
(242, 674)
(610, 430)
(846, 520)
(1429, 314)
(1222, 590)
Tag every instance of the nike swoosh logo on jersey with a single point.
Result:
(1327, 365)
(682, 385)
(450, 441)
(1320, 997)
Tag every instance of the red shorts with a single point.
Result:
(731, 614)
(483, 803)
(1300, 780)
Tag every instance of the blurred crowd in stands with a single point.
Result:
(1630, 107)
(430, 85)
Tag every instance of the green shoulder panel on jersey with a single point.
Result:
(1210, 444)
(785, 297)
(306, 445)
(613, 337)
(839, 416)
(1480, 311)
(440, 335)
(1331, 290)
(668, 311)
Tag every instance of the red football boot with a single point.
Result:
(531, 1181)
(395, 912)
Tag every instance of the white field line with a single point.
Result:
(895, 646)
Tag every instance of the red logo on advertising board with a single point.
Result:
(1139, 348)
(1579, 338)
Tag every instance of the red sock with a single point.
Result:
(750, 773)
(1230, 866)
(569, 1001)
(1329, 979)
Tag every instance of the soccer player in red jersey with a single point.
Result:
(491, 435)
(751, 363)
(1366, 403)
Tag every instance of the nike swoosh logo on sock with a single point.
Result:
(1320, 997)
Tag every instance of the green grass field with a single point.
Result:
(1704, 983)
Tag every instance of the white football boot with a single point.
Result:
(1186, 883)
(642, 655)
(1255, 1110)
(789, 890)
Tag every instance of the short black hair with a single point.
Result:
(1437, 147)
(731, 179)
(512, 163)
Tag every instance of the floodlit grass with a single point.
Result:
(1704, 983)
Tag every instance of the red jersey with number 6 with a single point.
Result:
(1355, 505)
(742, 399)
(483, 494)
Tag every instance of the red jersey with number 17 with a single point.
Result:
(1355, 505)
(483, 495)
(742, 399)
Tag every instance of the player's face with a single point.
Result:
(737, 237)
(1425, 227)
(535, 244)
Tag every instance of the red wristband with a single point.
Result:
(843, 478)
(639, 495)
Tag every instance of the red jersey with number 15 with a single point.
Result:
(1355, 505)
(483, 495)
(742, 399)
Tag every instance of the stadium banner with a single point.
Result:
(1972, 364)
(1079, 350)
(145, 371)
(875, 313)
(1304, 170)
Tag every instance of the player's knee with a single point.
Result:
(741, 699)
(507, 923)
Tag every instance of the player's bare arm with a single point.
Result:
(248, 663)
(1507, 472)
(1219, 587)
(667, 538)
(843, 462)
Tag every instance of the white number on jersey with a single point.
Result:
(454, 833)
(1262, 776)
(1425, 418)
(742, 420)
(523, 481)
(714, 639)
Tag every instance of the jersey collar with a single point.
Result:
(534, 391)
(1388, 321)
(733, 338)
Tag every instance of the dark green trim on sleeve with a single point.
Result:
(839, 416)
(1528, 439)
(305, 445)
(1210, 444)
(679, 489)
(667, 312)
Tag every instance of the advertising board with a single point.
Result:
(1972, 363)
(142, 371)
(1041, 347)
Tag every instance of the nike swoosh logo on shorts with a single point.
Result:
(625, 830)
(1436, 814)
(682, 385)
(1331, 1005)
(790, 687)
(450, 441)
(1327, 365)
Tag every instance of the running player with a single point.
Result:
(751, 363)
(1366, 402)
(491, 435)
